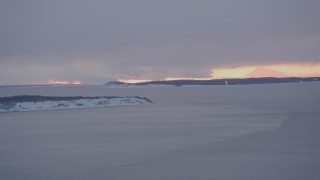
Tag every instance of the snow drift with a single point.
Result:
(35, 103)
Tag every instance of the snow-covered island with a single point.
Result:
(36, 103)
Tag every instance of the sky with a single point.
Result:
(97, 41)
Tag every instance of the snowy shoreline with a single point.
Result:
(36, 103)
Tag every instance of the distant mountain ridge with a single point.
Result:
(246, 81)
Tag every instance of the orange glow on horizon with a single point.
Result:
(297, 70)
(239, 72)
(183, 78)
(63, 82)
(274, 70)
(132, 81)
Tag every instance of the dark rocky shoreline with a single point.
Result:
(37, 98)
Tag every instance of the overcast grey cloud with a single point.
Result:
(97, 41)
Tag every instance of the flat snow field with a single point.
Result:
(251, 132)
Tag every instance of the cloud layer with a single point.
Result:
(97, 41)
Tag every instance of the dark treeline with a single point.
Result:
(246, 81)
(232, 81)
(37, 98)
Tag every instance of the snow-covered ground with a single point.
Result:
(252, 132)
(74, 104)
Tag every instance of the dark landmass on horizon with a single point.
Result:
(246, 81)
